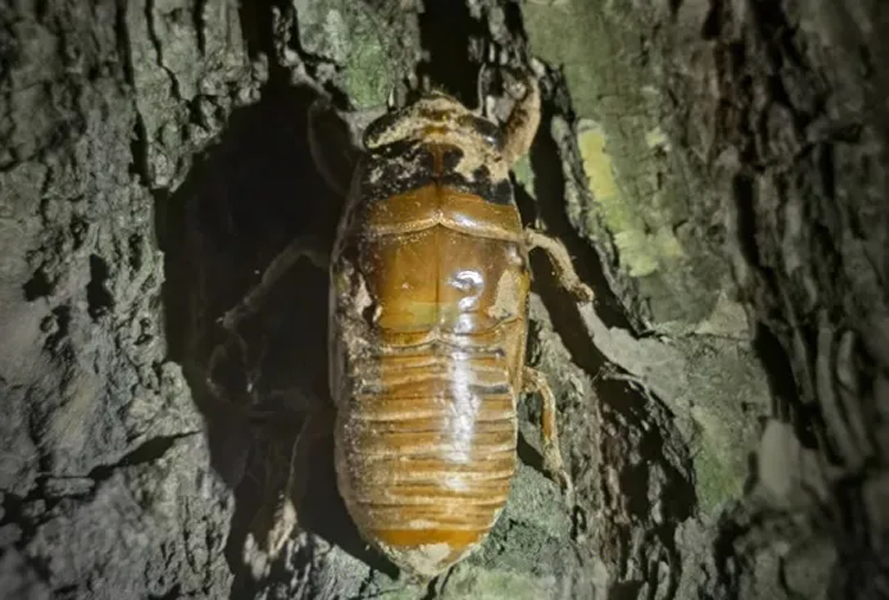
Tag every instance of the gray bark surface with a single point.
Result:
(717, 170)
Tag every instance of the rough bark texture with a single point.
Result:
(716, 168)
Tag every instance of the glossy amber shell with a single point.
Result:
(428, 331)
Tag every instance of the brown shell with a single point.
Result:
(428, 325)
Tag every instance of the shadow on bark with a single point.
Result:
(244, 201)
(446, 28)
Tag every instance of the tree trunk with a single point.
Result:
(716, 169)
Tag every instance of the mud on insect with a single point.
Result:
(428, 324)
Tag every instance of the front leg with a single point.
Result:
(302, 247)
(561, 262)
(533, 381)
(252, 303)
(523, 122)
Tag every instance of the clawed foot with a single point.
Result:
(555, 470)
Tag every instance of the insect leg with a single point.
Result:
(252, 302)
(521, 127)
(278, 517)
(534, 381)
(283, 262)
(561, 262)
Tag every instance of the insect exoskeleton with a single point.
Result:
(428, 321)
(428, 326)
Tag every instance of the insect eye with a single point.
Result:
(375, 132)
(485, 129)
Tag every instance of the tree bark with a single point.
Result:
(716, 169)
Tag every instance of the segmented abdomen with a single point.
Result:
(431, 450)
(429, 326)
